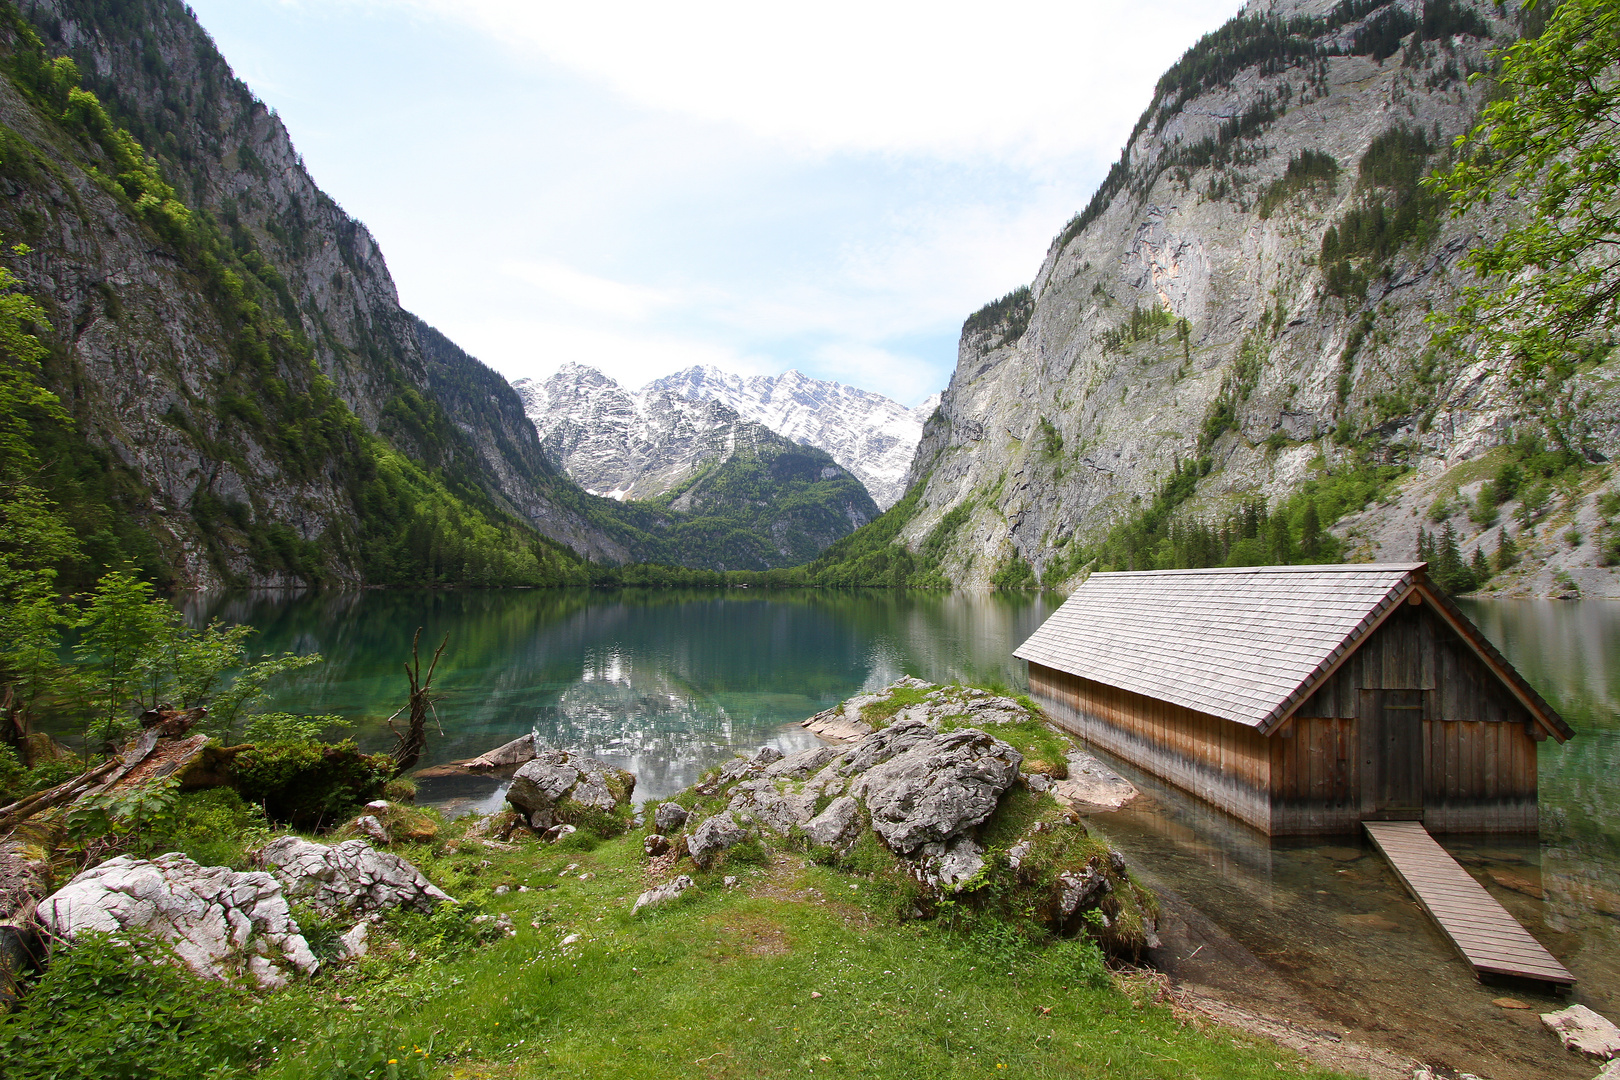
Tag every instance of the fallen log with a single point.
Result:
(61, 793)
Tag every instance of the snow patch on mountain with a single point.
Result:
(637, 445)
(872, 436)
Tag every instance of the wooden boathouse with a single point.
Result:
(1300, 699)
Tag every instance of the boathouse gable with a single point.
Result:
(1302, 700)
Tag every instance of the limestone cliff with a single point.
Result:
(1244, 304)
(217, 366)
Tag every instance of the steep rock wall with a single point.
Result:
(1064, 417)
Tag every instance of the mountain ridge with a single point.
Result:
(1227, 353)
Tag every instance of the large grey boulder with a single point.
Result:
(350, 878)
(838, 824)
(219, 922)
(539, 785)
(938, 786)
(780, 811)
(669, 818)
(715, 835)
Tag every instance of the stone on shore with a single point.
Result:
(669, 818)
(662, 894)
(1584, 1031)
(220, 923)
(1092, 787)
(519, 750)
(541, 785)
(713, 836)
(350, 878)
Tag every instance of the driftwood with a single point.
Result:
(67, 791)
(408, 751)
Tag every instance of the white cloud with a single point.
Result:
(578, 290)
(1036, 78)
(536, 347)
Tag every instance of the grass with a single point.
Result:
(879, 713)
(806, 964)
(719, 985)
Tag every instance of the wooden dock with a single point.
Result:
(1488, 937)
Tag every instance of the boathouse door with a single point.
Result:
(1391, 725)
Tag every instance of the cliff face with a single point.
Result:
(219, 368)
(1193, 312)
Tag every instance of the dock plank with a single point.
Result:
(1492, 941)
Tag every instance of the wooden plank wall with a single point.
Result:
(1225, 764)
(1315, 777)
(1479, 756)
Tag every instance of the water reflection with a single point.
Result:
(668, 682)
(664, 683)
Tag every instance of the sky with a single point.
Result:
(640, 187)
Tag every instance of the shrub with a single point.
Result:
(105, 1009)
(309, 785)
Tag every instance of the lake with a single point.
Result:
(668, 682)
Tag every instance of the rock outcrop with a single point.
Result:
(557, 781)
(220, 922)
(350, 878)
(923, 787)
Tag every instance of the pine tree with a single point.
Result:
(1310, 531)
(1480, 566)
(1507, 551)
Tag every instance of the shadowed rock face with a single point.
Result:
(220, 922)
(148, 355)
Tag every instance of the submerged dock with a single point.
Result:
(1482, 930)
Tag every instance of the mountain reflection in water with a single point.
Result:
(668, 683)
(665, 683)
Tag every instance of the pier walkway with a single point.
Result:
(1488, 937)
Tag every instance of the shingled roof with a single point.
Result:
(1246, 644)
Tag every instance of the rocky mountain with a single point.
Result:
(250, 405)
(872, 436)
(1227, 356)
(638, 444)
(622, 445)
(696, 484)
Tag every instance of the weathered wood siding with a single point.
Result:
(1225, 764)
(1315, 781)
(1478, 768)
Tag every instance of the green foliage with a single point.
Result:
(871, 556)
(1051, 440)
(1009, 315)
(1143, 323)
(119, 626)
(1507, 552)
(1158, 538)
(132, 818)
(1396, 210)
(104, 1009)
(309, 785)
(1307, 170)
(879, 713)
(1551, 283)
(1447, 567)
(1014, 573)
(1236, 386)
(214, 827)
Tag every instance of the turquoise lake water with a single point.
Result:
(669, 682)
